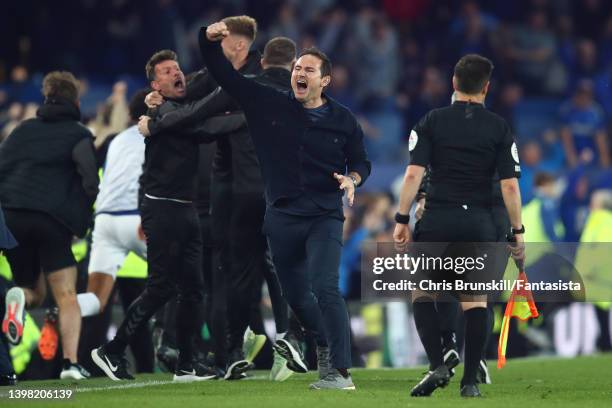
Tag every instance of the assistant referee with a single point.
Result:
(464, 144)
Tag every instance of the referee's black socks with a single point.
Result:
(426, 320)
(475, 339)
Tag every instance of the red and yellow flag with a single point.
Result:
(521, 306)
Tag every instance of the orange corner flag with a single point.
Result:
(521, 306)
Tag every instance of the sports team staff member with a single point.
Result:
(172, 229)
(464, 144)
(305, 142)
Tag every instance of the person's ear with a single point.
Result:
(326, 81)
(155, 86)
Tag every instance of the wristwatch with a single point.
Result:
(402, 218)
(517, 231)
(354, 179)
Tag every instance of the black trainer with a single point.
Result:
(194, 372)
(437, 378)
(113, 365)
(470, 391)
(167, 358)
(8, 379)
(451, 358)
(483, 376)
(291, 353)
(237, 366)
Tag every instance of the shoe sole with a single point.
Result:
(235, 370)
(71, 375)
(440, 384)
(103, 366)
(192, 378)
(259, 343)
(289, 353)
(12, 323)
(314, 387)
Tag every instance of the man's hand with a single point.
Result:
(143, 125)
(517, 251)
(346, 184)
(419, 209)
(402, 236)
(153, 99)
(140, 232)
(217, 31)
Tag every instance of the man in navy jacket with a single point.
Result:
(311, 150)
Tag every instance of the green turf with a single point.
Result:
(584, 382)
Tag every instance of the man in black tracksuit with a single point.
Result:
(237, 207)
(464, 145)
(171, 226)
(48, 183)
(305, 142)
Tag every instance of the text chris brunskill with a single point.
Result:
(458, 285)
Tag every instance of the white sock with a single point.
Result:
(89, 304)
(280, 336)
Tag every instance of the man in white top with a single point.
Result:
(117, 230)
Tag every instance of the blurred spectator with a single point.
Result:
(286, 24)
(378, 68)
(590, 16)
(14, 116)
(585, 66)
(574, 203)
(583, 131)
(434, 93)
(534, 51)
(340, 88)
(547, 195)
(21, 89)
(531, 158)
(509, 97)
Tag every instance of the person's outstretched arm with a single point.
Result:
(246, 91)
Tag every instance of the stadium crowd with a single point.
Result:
(392, 64)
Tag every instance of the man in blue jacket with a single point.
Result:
(311, 150)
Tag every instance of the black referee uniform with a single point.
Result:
(464, 145)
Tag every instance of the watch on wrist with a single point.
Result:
(517, 231)
(402, 218)
(354, 179)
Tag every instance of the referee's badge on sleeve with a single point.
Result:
(513, 151)
(412, 140)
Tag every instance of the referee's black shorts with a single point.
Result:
(44, 245)
(462, 233)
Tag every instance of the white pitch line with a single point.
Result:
(154, 383)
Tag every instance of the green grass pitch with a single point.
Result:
(584, 382)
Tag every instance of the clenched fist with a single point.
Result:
(217, 31)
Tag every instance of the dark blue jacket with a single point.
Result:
(296, 156)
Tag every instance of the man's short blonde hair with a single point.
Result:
(242, 25)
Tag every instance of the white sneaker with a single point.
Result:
(73, 371)
(280, 371)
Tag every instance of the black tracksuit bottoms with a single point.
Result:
(174, 250)
(306, 252)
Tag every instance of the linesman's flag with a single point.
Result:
(521, 306)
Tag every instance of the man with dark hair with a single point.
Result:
(464, 145)
(305, 143)
(171, 227)
(48, 182)
(237, 213)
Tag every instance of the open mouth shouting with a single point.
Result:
(301, 86)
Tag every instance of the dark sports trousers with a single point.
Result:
(306, 252)
(221, 210)
(44, 243)
(94, 329)
(174, 252)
